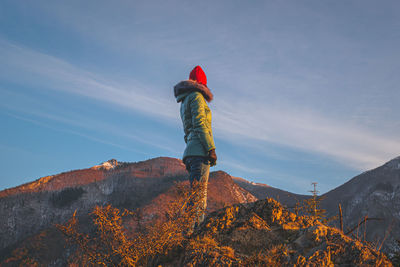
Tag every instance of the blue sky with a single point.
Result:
(305, 91)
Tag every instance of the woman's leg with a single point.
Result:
(199, 169)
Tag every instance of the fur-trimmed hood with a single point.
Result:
(190, 86)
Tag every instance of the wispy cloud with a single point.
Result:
(236, 165)
(236, 117)
(82, 122)
(56, 74)
(69, 131)
(349, 144)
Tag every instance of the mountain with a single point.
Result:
(35, 207)
(262, 191)
(261, 233)
(28, 212)
(376, 194)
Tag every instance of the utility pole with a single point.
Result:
(315, 195)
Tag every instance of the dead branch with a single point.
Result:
(362, 222)
(341, 217)
(386, 234)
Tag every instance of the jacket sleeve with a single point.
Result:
(199, 122)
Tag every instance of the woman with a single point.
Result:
(196, 118)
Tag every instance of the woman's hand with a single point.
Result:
(212, 157)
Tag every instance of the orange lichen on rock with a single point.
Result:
(226, 221)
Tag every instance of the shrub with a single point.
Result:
(109, 244)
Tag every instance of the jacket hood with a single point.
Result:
(185, 87)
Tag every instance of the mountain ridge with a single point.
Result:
(94, 173)
(127, 186)
(145, 184)
(375, 194)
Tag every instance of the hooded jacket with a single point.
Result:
(196, 117)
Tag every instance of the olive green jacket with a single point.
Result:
(196, 117)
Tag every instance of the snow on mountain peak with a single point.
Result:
(107, 165)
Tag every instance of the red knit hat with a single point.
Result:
(198, 75)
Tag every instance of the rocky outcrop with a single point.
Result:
(264, 233)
